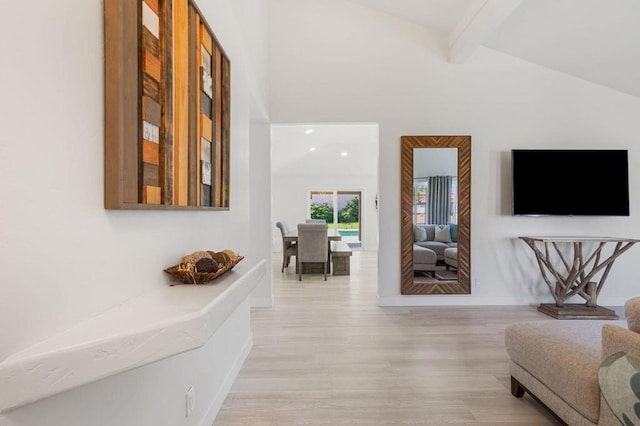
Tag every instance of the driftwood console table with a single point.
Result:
(570, 266)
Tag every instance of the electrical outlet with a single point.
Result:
(191, 400)
(475, 283)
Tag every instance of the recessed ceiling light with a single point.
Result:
(313, 148)
(308, 131)
(344, 154)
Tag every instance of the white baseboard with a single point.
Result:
(469, 300)
(217, 402)
(452, 300)
(612, 301)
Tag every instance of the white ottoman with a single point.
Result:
(424, 259)
(451, 257)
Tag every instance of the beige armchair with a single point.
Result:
(313, 246)
(557, 362)
(288, 248)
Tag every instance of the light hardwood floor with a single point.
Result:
(326, 354)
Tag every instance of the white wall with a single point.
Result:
(370, 67)
(259, 209)
(64, 257)
(435, 162)
(252, 32)
(154, 394)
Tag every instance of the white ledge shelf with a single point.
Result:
(145, 329)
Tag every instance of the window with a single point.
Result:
(421, 205)
(341, 210)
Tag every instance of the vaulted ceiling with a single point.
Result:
(595, 40)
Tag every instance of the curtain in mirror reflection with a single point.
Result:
(435, 200)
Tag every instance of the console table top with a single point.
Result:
(573, 239)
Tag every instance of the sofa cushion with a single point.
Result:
(632, 313)
(564, 355)
(419, 233)
(431, 231)
(443, 234)
(453, 227)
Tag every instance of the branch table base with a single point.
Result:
(569, 269)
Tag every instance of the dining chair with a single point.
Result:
(313, 241)
(315, 221)
(289, 248)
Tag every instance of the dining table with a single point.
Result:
(333, 234)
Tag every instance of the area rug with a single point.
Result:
(446, 275)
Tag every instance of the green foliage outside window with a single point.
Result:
(322, 211)
(350, 213)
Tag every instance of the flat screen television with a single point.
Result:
(564, 182)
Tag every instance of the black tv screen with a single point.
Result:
(558, 182)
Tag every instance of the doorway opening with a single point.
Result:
(326, 157)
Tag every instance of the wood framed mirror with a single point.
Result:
(435, 273)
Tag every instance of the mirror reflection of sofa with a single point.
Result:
(430, 243)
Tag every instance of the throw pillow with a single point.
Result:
(443, 234)
(419, 233)
(632, 313)
(454, 232)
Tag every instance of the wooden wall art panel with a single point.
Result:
(167, 108)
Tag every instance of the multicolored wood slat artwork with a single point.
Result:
(205, 150)
(196, 42)
(150, 153)
(207, 39)
(151, 65)
(150, 42)
(163, 54)
(181, 117)
(151, 111)
(150, 132)
(150, 19)
(206, 60)
(151, 195)
(218, 118)
(206, 173)
(150, 174)
(205, 47)
(150, 88)
(206, 126)
(206, 105)
(207, 83)
(225, 126)
(153, 5)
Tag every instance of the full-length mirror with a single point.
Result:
(435, 214)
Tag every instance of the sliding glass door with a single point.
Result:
(322, 206)
(341, 210)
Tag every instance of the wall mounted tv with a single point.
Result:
(560, 182)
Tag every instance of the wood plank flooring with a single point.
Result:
(326, 354)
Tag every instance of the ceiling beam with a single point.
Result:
(475, 27)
